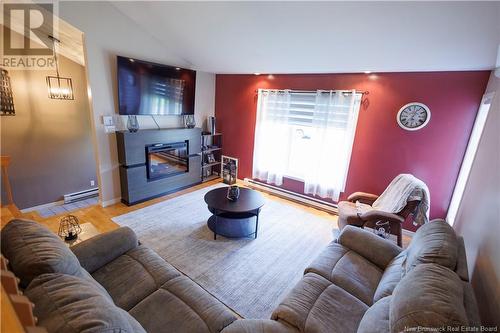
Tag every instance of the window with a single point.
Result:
(307, 136)
(470, 153)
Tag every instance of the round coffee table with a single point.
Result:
(234, 219)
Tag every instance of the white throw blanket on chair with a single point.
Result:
(404, 188)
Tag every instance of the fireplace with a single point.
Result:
(167, 159)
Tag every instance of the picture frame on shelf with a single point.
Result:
(229, 169)
(210, 158)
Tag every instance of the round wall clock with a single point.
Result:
(413, 116)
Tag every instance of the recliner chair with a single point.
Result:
(349, 214)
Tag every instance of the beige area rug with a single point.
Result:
(251, 276)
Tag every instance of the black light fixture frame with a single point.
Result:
(54, 82)
(57, 80)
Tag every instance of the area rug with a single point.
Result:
(251, 276)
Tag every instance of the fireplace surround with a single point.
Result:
(154, 162)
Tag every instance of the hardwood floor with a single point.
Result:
(101, 217)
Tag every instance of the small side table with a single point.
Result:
(88, 231)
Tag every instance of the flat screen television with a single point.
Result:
(145, 88)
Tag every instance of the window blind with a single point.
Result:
(302, 107)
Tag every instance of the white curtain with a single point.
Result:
(334, 124)
(272, 136)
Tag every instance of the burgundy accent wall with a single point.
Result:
(381, 148)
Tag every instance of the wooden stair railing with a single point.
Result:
(17, 309)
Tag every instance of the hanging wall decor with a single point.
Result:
(7, 99)
(59, 87)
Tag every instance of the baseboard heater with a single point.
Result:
(82, 195)
(297, 197)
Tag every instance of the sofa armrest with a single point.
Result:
(370, 246)
(363, 197)
(258, 326)
(97, 251)
(378, 215)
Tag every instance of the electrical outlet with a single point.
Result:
(108, 120)
(92, 183)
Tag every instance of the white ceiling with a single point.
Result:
(324, 37)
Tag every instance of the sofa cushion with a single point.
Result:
(259, 326)
(182, 306)
(325, 263)
(347, 270)
(376, 318)
(390, 278)
(317, 305)
(32, 250)
(430, 295)
(99, 250)
(133, 276)
(434, 242)
(377, 250)
(65, 303)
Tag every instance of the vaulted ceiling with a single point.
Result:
(70, 38)
(324, 37)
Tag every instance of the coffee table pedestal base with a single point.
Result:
(233, 227)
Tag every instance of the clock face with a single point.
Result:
(413, 116)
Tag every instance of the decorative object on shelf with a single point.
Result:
(206, 173)
(233, 193)
(210, 158)
(69, 228)
(413, 116)
(7, 99)
(211, 149)
(211, 124)
(132, 124)
(59, 87)
(189, 121)
(382, 229)
(229, 169)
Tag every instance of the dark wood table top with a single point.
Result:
(249, 200)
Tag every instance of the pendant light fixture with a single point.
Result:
(59, 87)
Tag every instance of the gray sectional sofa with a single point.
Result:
(360, 283)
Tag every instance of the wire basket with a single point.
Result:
(69, 228)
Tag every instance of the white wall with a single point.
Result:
(109, 33)
(478, 217)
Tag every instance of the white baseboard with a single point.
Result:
(39, 207)
(110, 202)
(300, 198)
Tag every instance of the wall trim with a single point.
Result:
(110, 202)
(297, 197)
(39, 207)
